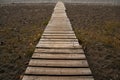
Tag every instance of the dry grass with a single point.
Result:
(98, 30)
(21, 26)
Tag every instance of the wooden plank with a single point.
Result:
(61, 19)
(59, 25)
(62, 11)
(60, 29)
(67, 24)
(51, 24)
(58, 56)
(59, 15)
(57, 77)
(61, 32)
(63, 40)
(57, 71)
(58, 63)
(59, 11)
(59, 37)
(71, 51)
(57, 42)
(65, 21)
(72, 45)
(48, 46)
(58, 34)
(60, 7)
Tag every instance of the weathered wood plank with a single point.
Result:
(59, 37)
(71, 51)
(59, 15)
(57, 42)
(60, 29)
(60, 32)
(58, 24)
(72, 45)
(58, 18)
(58, 63)
(57, 71)
(63, 40)
(58, 77)
(58, 56)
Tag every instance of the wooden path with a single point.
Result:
(58, 55)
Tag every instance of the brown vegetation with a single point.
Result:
(21, 26)
(98, 30)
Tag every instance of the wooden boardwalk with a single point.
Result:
(58, 55)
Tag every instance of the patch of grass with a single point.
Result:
(21, 26)
(108, 35)
(98, 29)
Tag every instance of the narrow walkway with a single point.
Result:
(58, 55)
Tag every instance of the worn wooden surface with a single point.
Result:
(58, 55)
